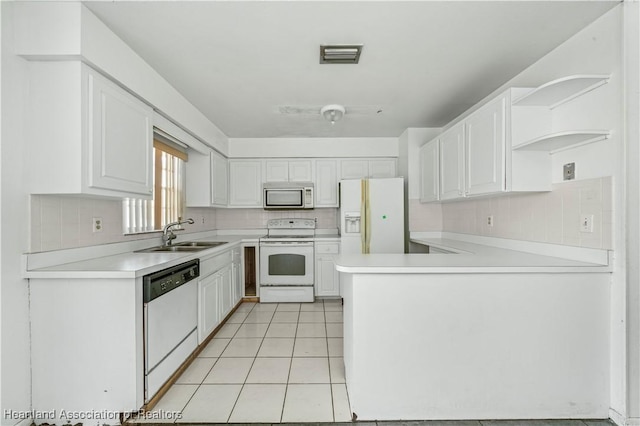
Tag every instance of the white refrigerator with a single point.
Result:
(372, 215)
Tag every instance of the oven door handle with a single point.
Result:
(286, 244)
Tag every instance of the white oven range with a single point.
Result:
(287, 261)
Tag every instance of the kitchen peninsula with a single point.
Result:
(491, 330)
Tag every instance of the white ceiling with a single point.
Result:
(424, 62)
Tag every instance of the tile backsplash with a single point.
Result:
(63, 222)
(327, 218)
(551, 217)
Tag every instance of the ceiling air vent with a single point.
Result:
(340, 53)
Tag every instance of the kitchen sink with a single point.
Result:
(188, 246)
(204, 244)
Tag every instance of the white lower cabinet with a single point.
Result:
(327, 278)
(217, 292)
(236, 274)
(209, 305)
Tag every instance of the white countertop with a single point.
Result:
(467, 258)
(131, 264)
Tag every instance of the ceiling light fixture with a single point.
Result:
(332, 113)
(340, 53)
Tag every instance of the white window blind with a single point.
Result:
(168, 201)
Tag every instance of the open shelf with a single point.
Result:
(562, 90)
(556, 142)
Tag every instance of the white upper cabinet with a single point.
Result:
(429, 172)
(354, 169)
(245, 183)
(220, 180)
(368, 168)
(452, 163)
(92, 137)
(507, 144)
(385, 168)
(300, 171)
(288, 171)
(485, 149)
(207, 180)
(120, 138)
(276, 171)
(326, 183)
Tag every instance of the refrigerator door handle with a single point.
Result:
(363, 216)
(365, 233)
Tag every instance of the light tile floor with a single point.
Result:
(270, 363)
(281, 363)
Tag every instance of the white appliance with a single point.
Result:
(287, 195)
(372, 215)
(170, 322)
(287, 261)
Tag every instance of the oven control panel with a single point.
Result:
(291, 224)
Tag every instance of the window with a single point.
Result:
(168, 201)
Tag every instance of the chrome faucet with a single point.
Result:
(167, 232)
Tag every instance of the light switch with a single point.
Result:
(586, 223)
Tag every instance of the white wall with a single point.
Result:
(312, 147)
(631, 297)
(14, 296)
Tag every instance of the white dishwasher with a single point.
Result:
(170, 322)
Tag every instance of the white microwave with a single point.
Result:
(287, 195)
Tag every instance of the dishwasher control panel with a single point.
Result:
(161, 282)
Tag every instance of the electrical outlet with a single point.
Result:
(569, 171)
(97, 224)
(490, 220)
(586, 223)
